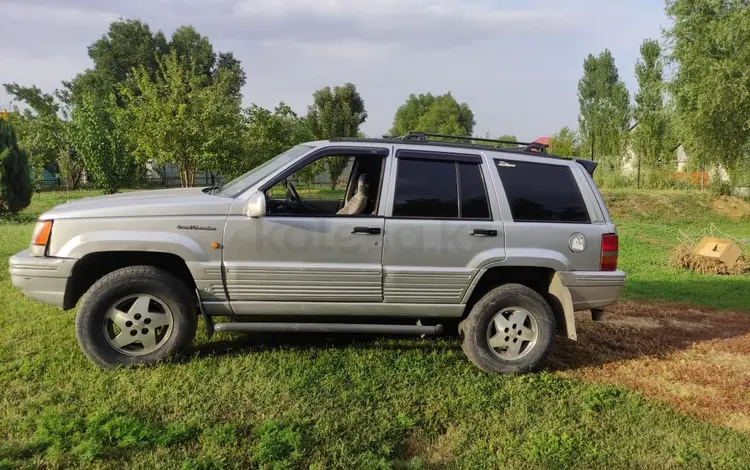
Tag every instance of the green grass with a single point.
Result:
(286, 402)
(649, 224)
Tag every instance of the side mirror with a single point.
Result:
(256, 205)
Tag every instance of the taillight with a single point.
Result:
(610, 250)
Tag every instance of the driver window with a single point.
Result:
(326, 187)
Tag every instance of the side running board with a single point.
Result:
(329, 328)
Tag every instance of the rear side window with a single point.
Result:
(474, 203)
(426, 188)
(440, 189)
(538, 192)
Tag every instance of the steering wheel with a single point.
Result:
(291, 193)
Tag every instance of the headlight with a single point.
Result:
(40, 237)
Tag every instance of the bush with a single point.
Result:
(721, 188)
(15, 177)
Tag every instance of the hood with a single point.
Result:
(161, 202)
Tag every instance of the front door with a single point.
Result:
(317, 243)
(441, 227)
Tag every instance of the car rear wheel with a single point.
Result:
(509, 330)
(135, 315)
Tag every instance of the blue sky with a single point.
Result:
(515, 63)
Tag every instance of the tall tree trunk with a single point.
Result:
(639, 170)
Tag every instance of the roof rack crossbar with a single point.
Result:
(423, 136)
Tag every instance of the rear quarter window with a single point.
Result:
(539, 192)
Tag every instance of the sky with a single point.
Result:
(516, 63)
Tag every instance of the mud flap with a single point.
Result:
(562, 303)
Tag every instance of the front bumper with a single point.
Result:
(41, 278)
(593, 289)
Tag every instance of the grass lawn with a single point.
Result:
(348, 402)
(649, 224)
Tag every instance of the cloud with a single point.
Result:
(54, 15)
(515, 62)
(416, 21)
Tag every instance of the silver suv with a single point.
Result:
(508, 241)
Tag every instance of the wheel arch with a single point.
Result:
(543, 280)
(94, 266)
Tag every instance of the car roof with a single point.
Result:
(589, 165)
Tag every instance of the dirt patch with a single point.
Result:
(436, 452)
(694, 358)
(734, 208)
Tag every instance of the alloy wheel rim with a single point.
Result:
(512, 333)
(138, 324)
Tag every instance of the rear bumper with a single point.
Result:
(41, 278)
(593, 289)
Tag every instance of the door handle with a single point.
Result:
(480, 232)
(366, 230)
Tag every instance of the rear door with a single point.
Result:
(441, 223)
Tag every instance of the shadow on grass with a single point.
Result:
(248, 343)
(19, 219)
(629, 330)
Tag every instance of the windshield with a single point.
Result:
(241, 183)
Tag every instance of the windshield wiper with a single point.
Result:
(211, 189)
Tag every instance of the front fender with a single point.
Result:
(100, 241)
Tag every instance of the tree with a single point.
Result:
(15, 179)
(126, 45)
(99, 138)
(564, 143)
(130, 44)
(43, 132)
(440, 114)
(604, 107)
(268, 134)
(336, 112)
(508, 138)
(649, 135)
(183, 117)
(710, 42)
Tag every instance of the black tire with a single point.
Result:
(128, 281)
(474, 328)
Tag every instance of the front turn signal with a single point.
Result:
(41, 233)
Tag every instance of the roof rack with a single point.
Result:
(423, 137)
(413, 138)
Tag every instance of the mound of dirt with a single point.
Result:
(734, 208)
(674, 205)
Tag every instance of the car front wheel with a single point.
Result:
(135, 315)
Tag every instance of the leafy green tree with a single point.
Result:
(564, 143)
(183, 117)
(131, 44)
(126, 45)
(710, 47)
(508, 138)
(15, 179)
(440, 114)
(43, 132)
(99, 138)
(268, 134)
(336, 112)
(604, 107)
(649, 135)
